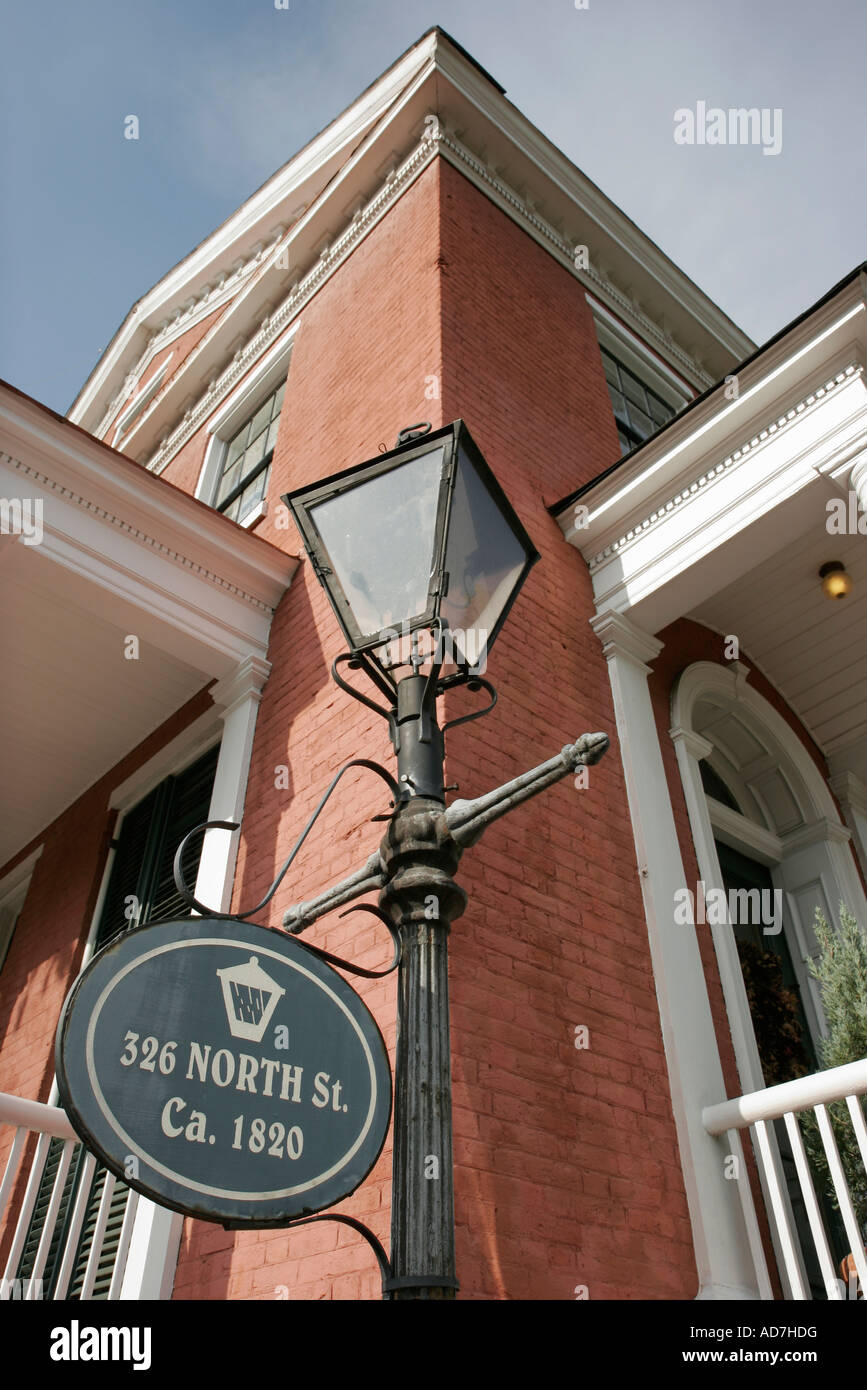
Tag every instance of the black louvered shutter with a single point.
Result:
(40, 1211)
(142, 870)
(190, 798)
(110, 1240)
(131, 852)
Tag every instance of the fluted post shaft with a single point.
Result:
(422, 899)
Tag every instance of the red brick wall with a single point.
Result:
(46, 949)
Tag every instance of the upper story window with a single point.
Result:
(246, 463)
(638, 410)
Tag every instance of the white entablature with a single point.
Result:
(435, 101)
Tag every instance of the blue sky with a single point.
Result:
(227, 90)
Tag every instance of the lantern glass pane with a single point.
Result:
(484, 561)
(379, 536)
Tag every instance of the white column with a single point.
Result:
(858, 482)
(851, 793)
(153, 1251)
(238, 696)
(726, 1269)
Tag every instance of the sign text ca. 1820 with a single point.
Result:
(225, 1071)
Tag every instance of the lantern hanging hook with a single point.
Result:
(178, 870)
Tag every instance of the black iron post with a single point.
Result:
(420, 896)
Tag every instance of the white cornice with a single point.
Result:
(590, 200)
(816, 833)
(300, 179)
(248, 680)
(849, 789)
(738, 455)
(284, 315)
(363, 221)
(593, 278)
(61, 459)
(312, 193)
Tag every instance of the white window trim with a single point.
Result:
(637, 357)
(266, 376)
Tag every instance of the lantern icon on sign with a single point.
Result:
(250, 997)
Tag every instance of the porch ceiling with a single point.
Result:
(108, 552)
(812, 649)
(71, 704)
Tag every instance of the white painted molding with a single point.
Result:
(851, 792)
(290, 307)
(858, 481)
(743, 834)
(623, 638)
(696, 746)
(727, 1251)
(705, 817)
(336, 174)
(247, 681)
(818, 832)
(237, 698)
(707, 479)
(638, 355)
(140, 400)
(88, 474)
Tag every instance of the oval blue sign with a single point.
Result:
(225, 1071)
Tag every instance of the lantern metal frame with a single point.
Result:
(454, 438)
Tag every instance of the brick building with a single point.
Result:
(430, 256)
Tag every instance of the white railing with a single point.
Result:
(32, 1117)
(786, 1102)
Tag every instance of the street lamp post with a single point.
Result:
(422, 556)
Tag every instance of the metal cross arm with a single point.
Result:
(465, 822)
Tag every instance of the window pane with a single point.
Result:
(255, 452)
(247, 449)
(230, 479)
(260, 419)
(640, 422)
(638, 410)
(236, 447)
(610, 369)
(252, 495)
(658, 409)
(633, 390)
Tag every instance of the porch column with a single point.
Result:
(238, 695)
(156, 1234)
(858, 482)
(851, 793)
(722, 1249)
